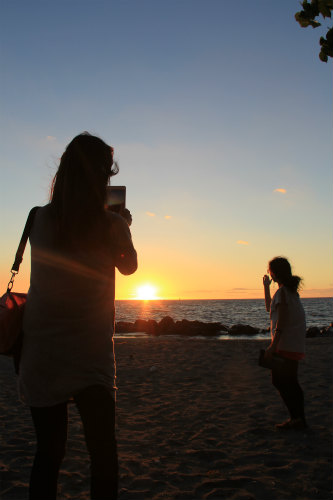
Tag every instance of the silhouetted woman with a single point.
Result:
(288, 332)
(69, 317)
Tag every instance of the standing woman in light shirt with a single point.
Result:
(68, 324)
(288, 331)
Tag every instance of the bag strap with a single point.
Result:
(22, 245)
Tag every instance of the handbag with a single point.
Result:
(12, 303)
(275, 361)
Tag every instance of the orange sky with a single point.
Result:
(174, 274)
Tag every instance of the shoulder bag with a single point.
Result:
(274, 362)
(12, 303)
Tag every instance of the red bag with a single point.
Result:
(12, 304)
(11, 315)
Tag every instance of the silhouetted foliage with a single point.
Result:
(306, 17)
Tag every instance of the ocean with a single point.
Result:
(319, 311)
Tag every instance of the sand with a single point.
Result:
(195, 420)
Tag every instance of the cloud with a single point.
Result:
(241, 242)
(280, 190)
(51, 138)
(167, 216)
(151, 214)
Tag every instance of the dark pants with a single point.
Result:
(97, 409)
(284, 378)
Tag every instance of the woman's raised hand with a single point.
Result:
(127, 215)
(266, 280)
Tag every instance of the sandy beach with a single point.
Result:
(195, 420)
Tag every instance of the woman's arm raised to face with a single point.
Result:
(126, 256)
(266, 282)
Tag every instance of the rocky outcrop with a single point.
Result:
(167, 326)
(325, 331)
(313, 331)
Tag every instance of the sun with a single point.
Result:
(146, 292)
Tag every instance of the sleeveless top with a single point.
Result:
(68, 321)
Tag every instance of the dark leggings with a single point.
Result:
(97, 410)
(284, 378)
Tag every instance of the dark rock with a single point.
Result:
(140, 325)
(186, 327)
(183, 327)
(243, 330)
(313, 331)
(166, 325)
(152, 327)
(124, 327)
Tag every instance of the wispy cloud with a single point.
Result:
(242, 242)
(151, 214)
(280, 190)
(167, 216)
(51, 138)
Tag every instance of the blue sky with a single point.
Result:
(211, 106)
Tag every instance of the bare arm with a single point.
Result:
(268, 300)
(127, 262)
(125, 256)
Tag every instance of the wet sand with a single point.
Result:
(195, 420)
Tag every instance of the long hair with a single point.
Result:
(78, 191)
(281, 269)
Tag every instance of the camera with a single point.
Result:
(115, 198)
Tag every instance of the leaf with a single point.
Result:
(323, 57)
(325, 11)
(329, 37)
(325, 7)
(305, 21)
(306, 18)
(326, 46)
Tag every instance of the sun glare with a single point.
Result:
(146, 292)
